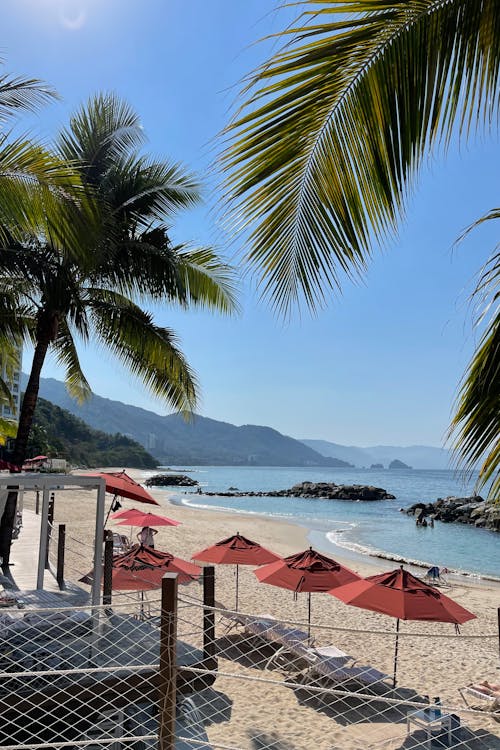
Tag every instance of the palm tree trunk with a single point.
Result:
(25, 421)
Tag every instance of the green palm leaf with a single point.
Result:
(148, 351)
(321, 156)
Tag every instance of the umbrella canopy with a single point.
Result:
(120, 483)
(306, 571)
(142, 568)
(400, 594)
(134, 517)
(236, 550)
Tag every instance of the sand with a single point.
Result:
(436, 665)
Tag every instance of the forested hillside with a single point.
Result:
(56, 432)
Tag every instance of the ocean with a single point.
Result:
(377, 528)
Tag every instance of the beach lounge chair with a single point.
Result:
(295, 652)
(121, 543)
(487, 691)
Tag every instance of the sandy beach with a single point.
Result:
(437, 664)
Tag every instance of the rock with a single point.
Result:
(170, 480)
(472, 510)
(377, 466)
(320, 491)
(397, 464)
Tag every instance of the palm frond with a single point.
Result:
(42, 195)
(148, 351)
(149, 267)
(321, 157)
(148, 190)
(476, 424)
(208, 282)
(65, 349)
(18, 93)
(477, 418)
(101, 132)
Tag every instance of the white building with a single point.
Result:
(13, 380)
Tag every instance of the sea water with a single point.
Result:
(378, 527)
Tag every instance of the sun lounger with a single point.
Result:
(121, 543)
(487, 691)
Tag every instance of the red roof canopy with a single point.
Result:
(236, 550)
(402, 595)
(306, 571)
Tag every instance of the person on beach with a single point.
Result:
(146, 536)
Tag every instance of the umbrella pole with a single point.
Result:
(109, 511)
(309, 616)
(396, 654)
(237, 581)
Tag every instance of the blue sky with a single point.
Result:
(382, 363)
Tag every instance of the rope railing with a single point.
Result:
(204, 676)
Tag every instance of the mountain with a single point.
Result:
(417, 456)
(172, 440)
(58, 433)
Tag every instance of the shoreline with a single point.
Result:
(319, 537)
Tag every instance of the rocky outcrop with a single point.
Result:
(470, 510)
(397, 464)
(377, 466)
(320, 491)
(170, 480)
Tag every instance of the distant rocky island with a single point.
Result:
(319, 491)
(484, 514)
(397, 464)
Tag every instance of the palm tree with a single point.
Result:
(34, 183)
(322, 156)
(62, 298)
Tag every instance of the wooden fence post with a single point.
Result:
(168, 662)
(107, 581)
(498, 617)
(209, 614)
(61, 544)
(49, 528)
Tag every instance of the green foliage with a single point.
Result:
(56, 297)
(58, 433)
(323, 153)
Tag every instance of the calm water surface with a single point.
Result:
(358, 527)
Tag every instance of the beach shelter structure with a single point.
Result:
(142, 568)
(134, 517)
(236, 550)
(306, 571)
(402, 595)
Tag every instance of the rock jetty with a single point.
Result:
(472, 510)
(320, 491)
(170, 480)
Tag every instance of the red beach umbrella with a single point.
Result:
(404, 596)
(236, 550)
(120, 483)
(306, 571)
(142, 568)
(134, 517)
